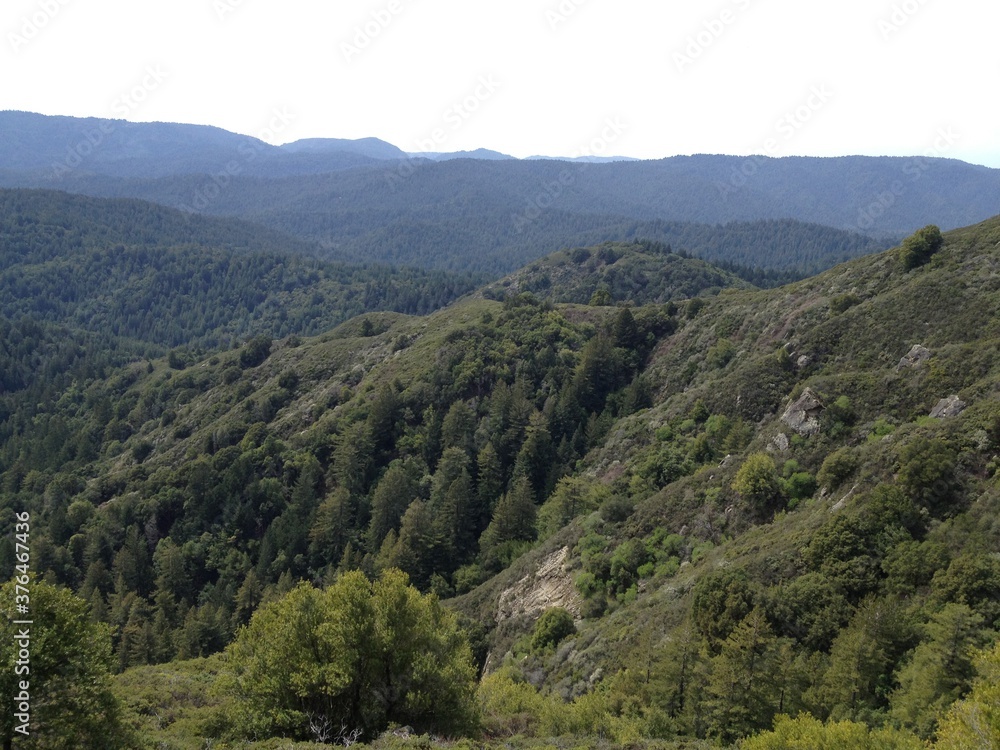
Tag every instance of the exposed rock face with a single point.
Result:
(779, 444)
(915, 358)
(550, 586)
(803, 415)
(948, 407)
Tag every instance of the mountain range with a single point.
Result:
(366, 200)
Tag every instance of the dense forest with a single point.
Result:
(663, 510)
(123, 279)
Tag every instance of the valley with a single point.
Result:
(347, 461)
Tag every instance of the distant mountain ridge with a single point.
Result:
(482, 211)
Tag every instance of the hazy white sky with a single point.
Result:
(644, 78)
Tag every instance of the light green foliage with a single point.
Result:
(71, 703)
(572, 497)
(974, 722)
(358, 654)
(758, 484)
(807, 733)
(508, 705)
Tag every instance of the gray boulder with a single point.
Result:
(948, 407)
(803, 415)
(915, 358)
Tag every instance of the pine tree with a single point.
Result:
(856, 683)
(940, 670)
(332, 528)
(513, 521)
(743, 691)
(390, 499)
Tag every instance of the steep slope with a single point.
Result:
(820, 457)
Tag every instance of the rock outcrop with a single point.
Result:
(948, 407)
(803, 415)
(915, 358)
(549, 586)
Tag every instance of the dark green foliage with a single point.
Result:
(836, 467)
(177, 502)
(157, 276)
(720, 602)
(256, 351)
(552, 627)
(918, 248)
(927, 472)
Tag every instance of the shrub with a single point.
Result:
(918, 248)
(837, 467)
(552, 627)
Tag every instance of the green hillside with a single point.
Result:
(126, 279)
(635, 273)
(663, 524)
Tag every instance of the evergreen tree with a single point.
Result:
(744, 689)
(332, 529)
(941, 669)
(390, 499)
(513, 521)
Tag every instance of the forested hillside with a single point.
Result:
(143, 274)
(652, 522)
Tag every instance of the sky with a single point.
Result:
(642, 78)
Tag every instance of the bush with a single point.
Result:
(553, 626)
(255, 352)
(361, 653)
(837, 467)
(758, 485)
(918, 248)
